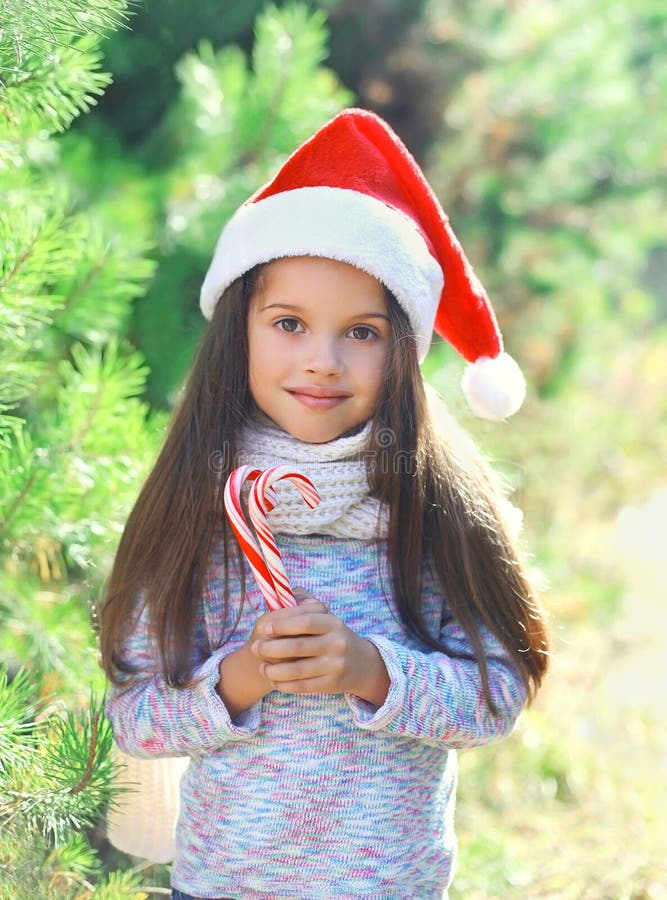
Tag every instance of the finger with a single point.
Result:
(305, 621)
(295, 670)
(290, 648)
(304, 597)
(320, 684)
(311, 602)
(267, 622)
(288, 612)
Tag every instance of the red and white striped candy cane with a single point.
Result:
(262, 500)
(269, 572)
(243, 534)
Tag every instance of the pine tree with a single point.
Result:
(56, 779)
(74, 441)
(74, 438)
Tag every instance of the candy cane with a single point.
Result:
(244, 535)
(262, 500)
(268, 569)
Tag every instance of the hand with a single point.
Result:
(241, 683)
(308, 650)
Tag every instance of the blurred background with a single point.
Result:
(128, 136)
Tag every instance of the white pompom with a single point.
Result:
(494, 388)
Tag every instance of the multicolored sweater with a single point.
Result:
(320, 796)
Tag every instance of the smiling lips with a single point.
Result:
(318, 397)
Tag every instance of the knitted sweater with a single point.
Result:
(319, 796)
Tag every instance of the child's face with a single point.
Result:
(318, 339)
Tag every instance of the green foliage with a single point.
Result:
(71, 456)
(118, 885)
(554, 167)
(49, 60)
(74, 444)
(75, 440)
(55, 780)
(15, 723)
(63, 783)
(144, 61)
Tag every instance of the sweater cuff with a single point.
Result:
(369, 717)
(247, 722)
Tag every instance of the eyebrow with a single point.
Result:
(366, 315)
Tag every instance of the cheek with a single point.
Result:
(259, 348)
(255, 366)
(252, 365)
(373, 374)
(267, 365)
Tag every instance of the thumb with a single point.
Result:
(304, 597)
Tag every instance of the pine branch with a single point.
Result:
(16, 720)
(55, 770)
(37, 249)
(17, 265)
(87, 775)
(69, 782)
(69, 483)
(79, 290)
(17, 502)
(97, 293)
(55, 89)
(30, 29)
(15, 458)
(50, 59)
(31, 234)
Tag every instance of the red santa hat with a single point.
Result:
(354, 193)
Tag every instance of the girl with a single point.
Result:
(322, 737)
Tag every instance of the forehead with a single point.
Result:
(306, 280)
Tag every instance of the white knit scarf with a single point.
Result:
(336, 469)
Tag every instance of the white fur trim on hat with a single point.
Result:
(338, 224)
(494, 388)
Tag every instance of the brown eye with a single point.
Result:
(289, 326)
(362, 333)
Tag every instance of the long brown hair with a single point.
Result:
(448, 511)
(444, 512)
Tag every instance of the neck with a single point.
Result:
(336, 468)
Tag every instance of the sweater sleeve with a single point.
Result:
(438, 698)
(151, 718)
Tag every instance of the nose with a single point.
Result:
(323, 356)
